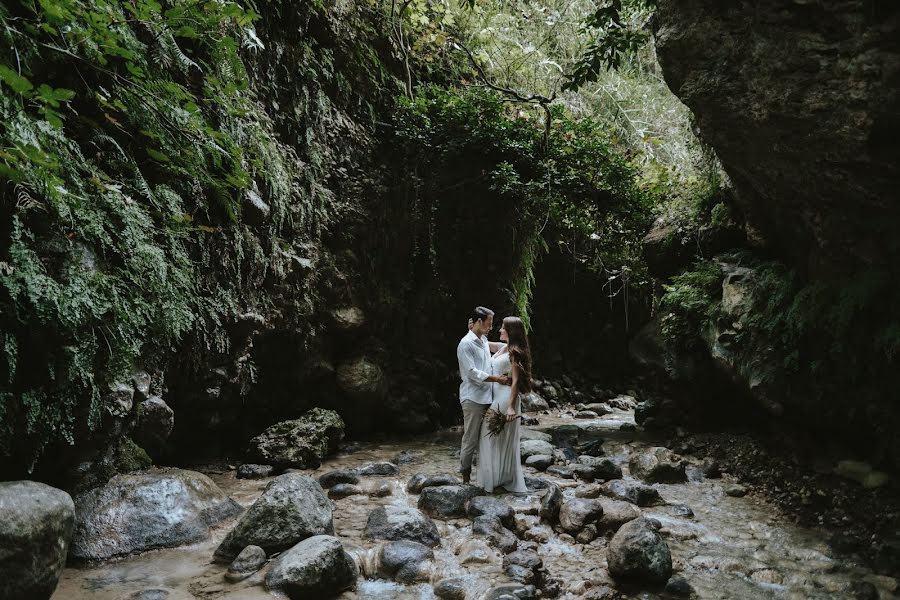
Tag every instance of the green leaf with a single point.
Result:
(156, 155)
(19, 84)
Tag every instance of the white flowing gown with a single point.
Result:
(499, 457)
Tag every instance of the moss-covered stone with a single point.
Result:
(301, 443)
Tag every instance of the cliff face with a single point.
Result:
(800, 101)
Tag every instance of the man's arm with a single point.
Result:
(466, 354)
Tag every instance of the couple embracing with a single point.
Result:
(494, 375)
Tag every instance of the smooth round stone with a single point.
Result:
(451, 589)
(539, 461)
(343, 490)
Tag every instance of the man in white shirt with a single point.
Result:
(474, 356)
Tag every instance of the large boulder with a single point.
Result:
(291, 508)
(577, 513)
(317, 567)
(136, 512)
(36, 524)
(496, 534)
(492, 507)
(633, 492)
(637, 553)
(657, 465)
(404, 560)
(615, 514)
(529, 448)
(533, 402)
(448, 501)
(362, 380)
(301, 443)
(155, 420)
(401, 523)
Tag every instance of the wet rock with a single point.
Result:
(453, 588)
(154, 423)
(565, 436)
(253, 471)
(637, 553)
(140, 381)
(381, 490)
(447, 501)
(537, 483)
(343, 490)
(550, 505)
(301, 443)
(630, 491)
(539, 461)
(587, 535)
(561, 471)
(577, 513)
(149, 594)
(534, 447)
(615, 514)
(401, 523)
(491, 507)
(531, 434)
(405, 457)
(586, 414)
(533, 402)
(141, 511)
(682, 510)
(678, 586)
(475, 552)
(510, 591)
(496, 534)
(317, 567)
(587, 491)
(735, 491)
(710, 468)
(291, 508)
(362, 380)
(597, 468)
(592, 448)
(520, 574)
(332, 478)
(599, 408)
(402, 560)
(540, 534)
(563, 456)
(421, 481)
(36, 525)
(379, 468)
(657, 465)
(249, 561)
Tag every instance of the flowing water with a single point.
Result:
(732, 548)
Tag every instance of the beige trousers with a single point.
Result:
(472, 415)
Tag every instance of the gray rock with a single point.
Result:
(637, 553)
(539, 461)
(475, 552)
(533, 402)
(560, 471)
(453, 588)
(600, 468)
(495, 533)
(379, 468)
(420, 481)
(149, 594)
(492, 507)
(711, 469)
(550, 505)
(631, 491)
(510, 591)
(381, 490)
(140, 381)
(136, 512)
(599, 408)
(301, 443)
(736, 491)
(448, 501)
(532, 447)
(154, 423)
(587, 535)
(531, 434)
(253, 471)
(577, 513)
(657, 465)
(405, 556)
(36, 525)
(119, 400)
(343, 490)
(678, 586)
(291, 508)
(520, 574)
(525, 558)
(249, 561)
(586, 414)
(401, 523)
(317, 567)
(332, 478)
(682, 510)
(615, 514)
(362, 380)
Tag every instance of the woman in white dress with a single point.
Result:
(499, 458)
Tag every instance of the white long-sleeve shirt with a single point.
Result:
(474, 356)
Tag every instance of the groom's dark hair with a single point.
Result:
(482, 313)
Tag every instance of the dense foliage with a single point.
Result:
(565, 187)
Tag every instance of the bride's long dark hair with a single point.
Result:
(519, 350)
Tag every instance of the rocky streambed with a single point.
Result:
(611, 515)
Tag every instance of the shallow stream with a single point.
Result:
(732, 548)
